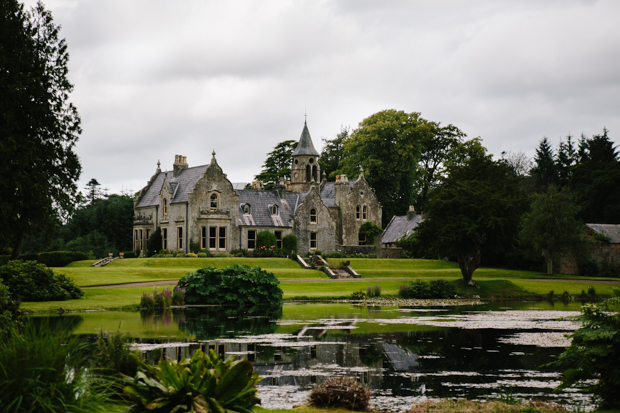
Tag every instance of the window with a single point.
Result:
(164, 238)
(274, 210)
(213, 203)
(362, 238)
(203, 238)
(313, 216)
(180, 238)
(246, 209)
(146, 240)
(357, 212)
(165, 206)
(278, 235)
(135, 240)
(364, 212)
(251, 239)
(212, 237)
(222, 238)
(313, 242)
(140, 240)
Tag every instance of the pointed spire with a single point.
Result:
(305, 146)
(213, 160)
(158, 166)
(361, 171)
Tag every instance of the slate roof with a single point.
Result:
(260, 202)
(328, 193)
(399, 227)
(305, 146)
(612, 231)
(181, 186)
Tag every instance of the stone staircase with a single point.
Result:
(333, 273)
(104, 261)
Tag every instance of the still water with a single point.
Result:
(403, 354)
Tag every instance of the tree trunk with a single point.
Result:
(548, 261)
(17, 247)
(468, 264)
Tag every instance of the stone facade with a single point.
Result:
(200, 205)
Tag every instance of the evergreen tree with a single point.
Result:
(544, 171)
(332, 152)
(566, 158)
(277, 166)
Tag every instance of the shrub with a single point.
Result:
(9, 311)
(373, 291)
(203, 383)
(266, 239)
(35, 282)
(403, 291)
(147, 301)
(335, 255)
(358, 295)
(590, 268)
(237, 285)
(36, 366)
(592, 292)
(419, 289)
(340, 392)
(50, 259)
(154, 243)
(192, 255)
(202, 255)
(264, 251)
(442, 289)
(194, 247)
(318, 252)
(371, 230)
(565, 297)
(594, 353)
(289, 244)
(130, 254)
(178, 296)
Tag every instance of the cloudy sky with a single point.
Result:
(156, 78)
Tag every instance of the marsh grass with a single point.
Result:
(468, 406)
(45, 369)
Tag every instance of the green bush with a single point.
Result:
(154, 243)
(147, 301)
(335, 255)
(237, 285)
(590, 268)
(113, 355)
(358, 295)
(265, 239)
(373, 291)
(46, 370)
(50, 259)
(594, 354)
(442, 289)
(156, 301)
(178, 296)
(371, 230)
(203, 383)
(130, 254)
(35, 282)
(289, 244)
(9, 311)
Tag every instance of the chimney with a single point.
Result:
(410, 213)
(341, 188)
(281, 188)
(180, 163)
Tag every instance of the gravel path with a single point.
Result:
(161, 283)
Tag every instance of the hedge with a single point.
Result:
(50, 259)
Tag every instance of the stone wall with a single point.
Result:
(349, 198)
(391, 252)
(356, 249)
(602, 252)
(325, 227)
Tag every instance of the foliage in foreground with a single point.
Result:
(340, 392)
(468, 406)
(238, 285)
(45, 370)
(113, 355)
(35, 282)
(203, 383)
(594, 353)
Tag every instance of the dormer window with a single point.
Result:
(274, 210)
(246, 209)
(213, 202)
(313, 216)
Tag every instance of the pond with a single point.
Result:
(403, 354)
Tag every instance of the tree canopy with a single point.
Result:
(39, 126)
(332, 153)
(277, 166)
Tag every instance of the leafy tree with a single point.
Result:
(551, 225)
(387, 145)
(266, 239)
(594, 353)
(437, 143)
(332, 153)
(474, 210)
(94, 242)
(277, 166)
(39, 126)
(544, 171)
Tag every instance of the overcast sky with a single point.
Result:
(158, 78)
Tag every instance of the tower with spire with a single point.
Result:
(305, 168)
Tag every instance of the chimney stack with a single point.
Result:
(180, 163)
(410, 213)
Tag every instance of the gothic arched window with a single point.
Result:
(274, 210)
(246, 209)
(213, 202)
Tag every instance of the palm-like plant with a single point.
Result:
(204, 383)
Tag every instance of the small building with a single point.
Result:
(603, 252)
(398, 228)
(200, 205)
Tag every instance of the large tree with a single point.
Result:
(544, 171)
(332, 153)
(38, 125)
(278, 164)
(387, 146)
(551, 226)
(475, 209)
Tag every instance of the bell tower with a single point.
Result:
(305, 169)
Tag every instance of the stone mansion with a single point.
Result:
(200, 205)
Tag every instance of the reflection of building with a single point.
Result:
(200, 205)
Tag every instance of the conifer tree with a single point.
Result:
(544, 170)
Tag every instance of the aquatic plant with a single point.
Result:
(178, 296)
(113, 354)
(358, 295)
(594, 354)
(45, 370)
(340, 392)
(204, 383)
(147, 301)
(373, 291)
